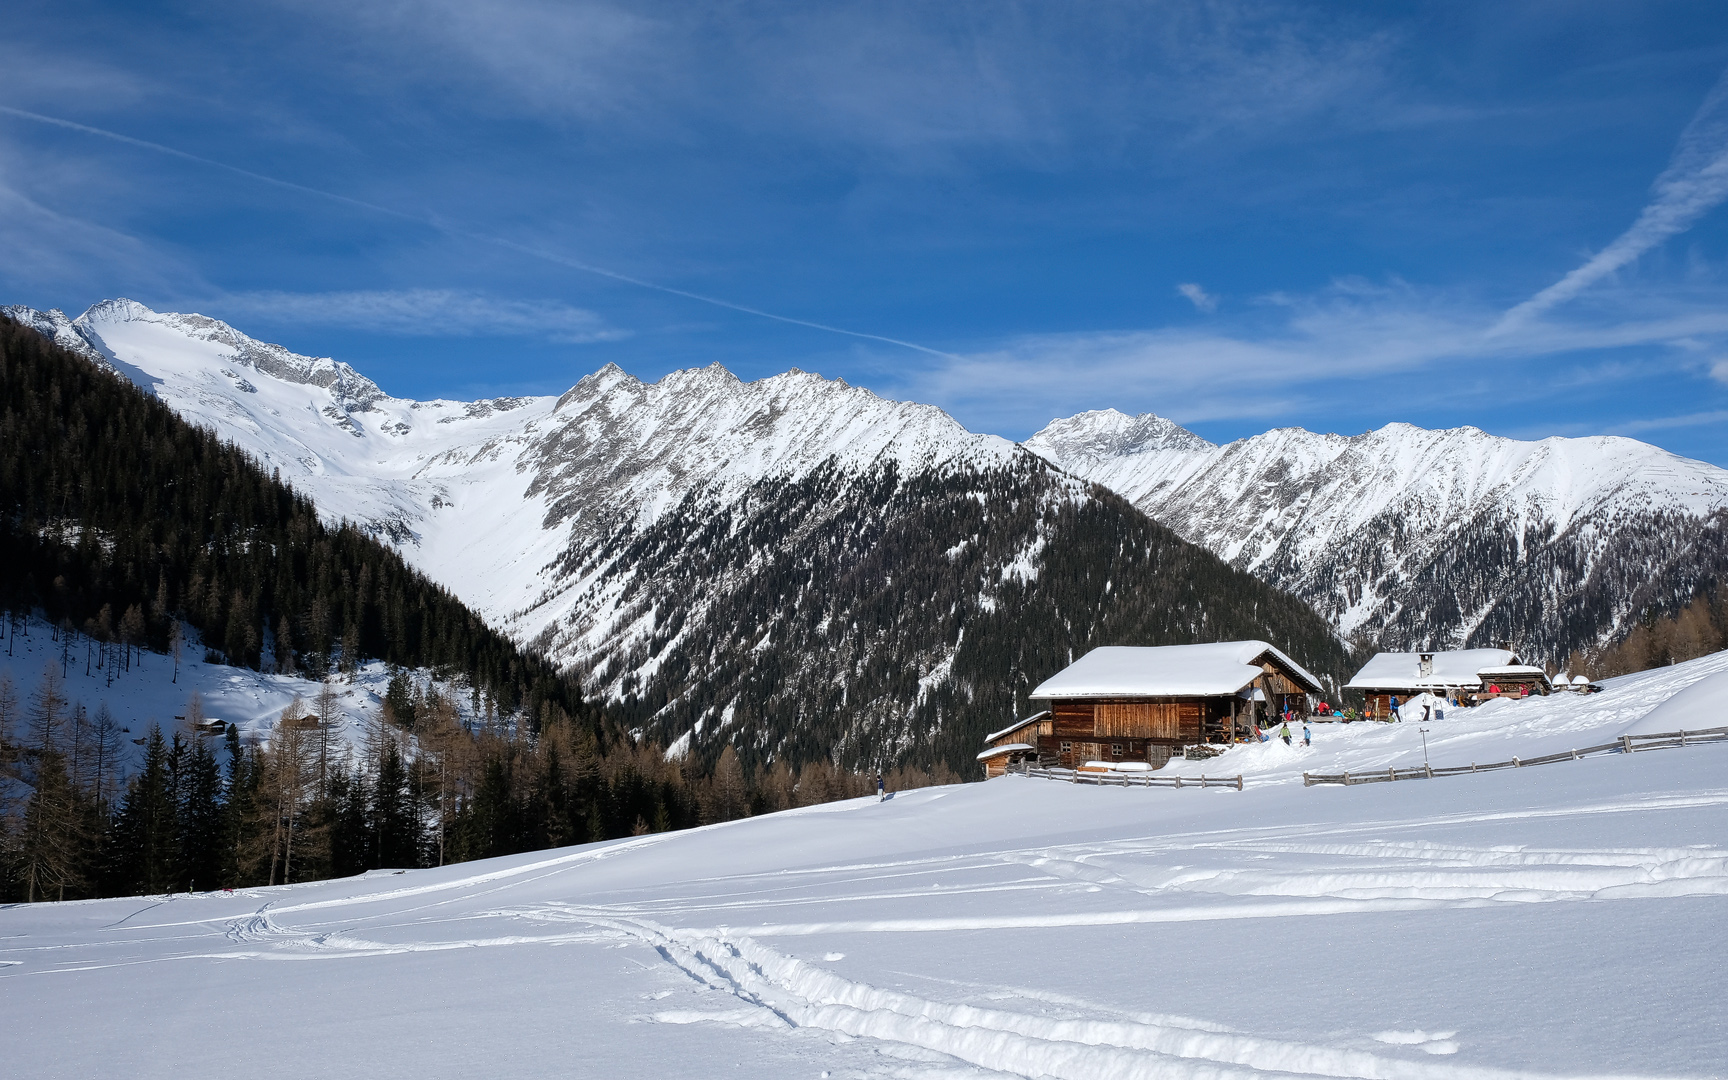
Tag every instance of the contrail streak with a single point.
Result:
(465, 234)
(1694, 183)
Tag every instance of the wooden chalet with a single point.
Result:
(1122, 703)
(1463, 675)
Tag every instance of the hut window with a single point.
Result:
(1115, 749)
(1067, 748)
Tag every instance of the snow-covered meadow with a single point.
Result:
(1564, 920)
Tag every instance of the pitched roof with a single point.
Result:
(1212, 670)
(1402, 670)
(1016, 726)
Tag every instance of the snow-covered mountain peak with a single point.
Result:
(514, 502)
(123, 322)
(1103, 434)
(647, 445)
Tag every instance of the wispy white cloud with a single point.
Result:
(1664, 423)
(424, 313)
(47, 73)
(1197, 296)
(1694, 183)
(905, 82)
(47, 251)
(1348, 344)
(1719, 371)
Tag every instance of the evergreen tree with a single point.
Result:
(201, 818)
(146, 829)
(396, 826)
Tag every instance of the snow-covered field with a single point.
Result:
(1564, 920)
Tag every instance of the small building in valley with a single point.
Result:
(1124, 703)
(1395, 677)
(1016, 743)
(1512, 680)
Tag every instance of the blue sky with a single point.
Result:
(1239, 215)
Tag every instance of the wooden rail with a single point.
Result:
(1117, 779)
(1626, 744)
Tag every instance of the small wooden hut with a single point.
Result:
(1015, 743)
(1391, 677)
(1512, 680)
(1122, 703)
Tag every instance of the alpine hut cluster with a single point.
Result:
(1127, 704)
(1121, 704)
(1465, 676)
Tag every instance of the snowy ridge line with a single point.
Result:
(1624, 745)
(782, 991)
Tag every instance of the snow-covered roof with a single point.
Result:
(1402, 670)
(1008, 749)
(1215, 669)
(1016, 725)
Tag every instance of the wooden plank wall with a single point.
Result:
(1073, 720)
(1139, 720)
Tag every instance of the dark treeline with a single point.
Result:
(423, 788)
(1698, 629)
(119, 519)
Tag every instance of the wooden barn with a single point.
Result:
(1456, 674)
(1122, 703)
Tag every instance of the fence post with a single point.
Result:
(1574, 755)
(1346, 778)
(1238, 781)
(1427, 770)
(1516, 764)
(1178, 781)
(1392, 773)
(1626, 744)
(1682, 736)
(1202, 779)
(1305, 781)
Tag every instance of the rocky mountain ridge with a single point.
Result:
(1415, 537)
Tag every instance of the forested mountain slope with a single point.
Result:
(899, 618)
(118, 516)
(1417, 538)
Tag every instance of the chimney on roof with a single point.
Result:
(1425, 665)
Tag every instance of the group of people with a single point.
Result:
(1261, 735)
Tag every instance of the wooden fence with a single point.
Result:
(1626, 744)
(1118, 779)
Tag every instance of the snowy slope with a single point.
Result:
(1554, 921)
(1418, 536)
(151, 693)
